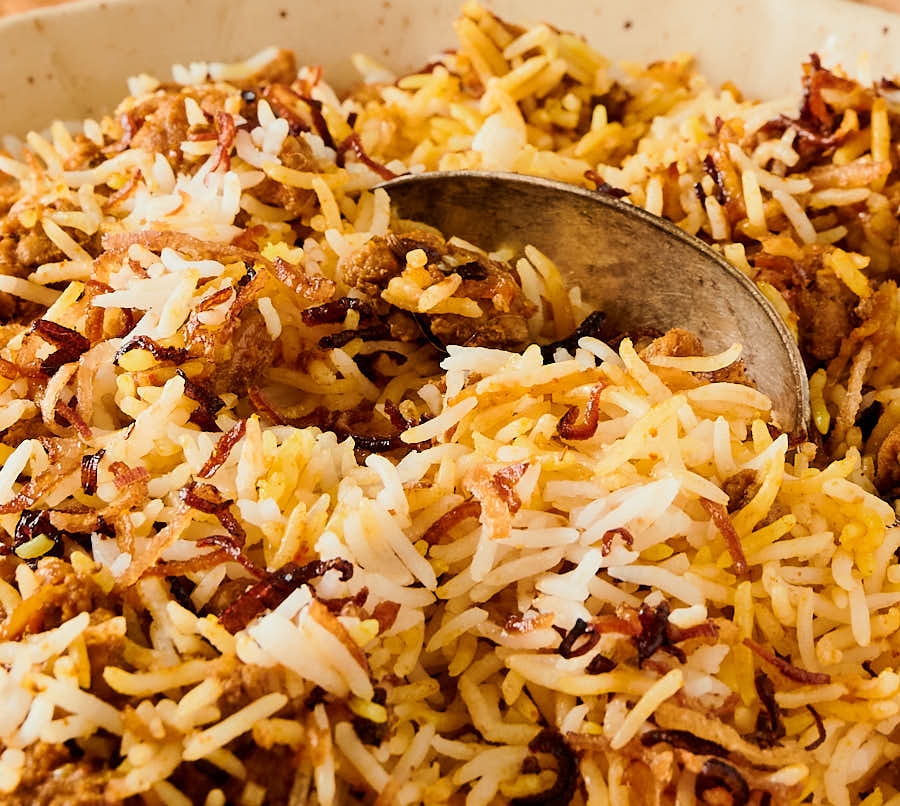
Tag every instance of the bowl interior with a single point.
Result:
(71, 61)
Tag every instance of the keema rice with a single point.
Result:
(264, 543)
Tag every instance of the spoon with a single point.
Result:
(642, 271)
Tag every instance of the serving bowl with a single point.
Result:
(71, 61)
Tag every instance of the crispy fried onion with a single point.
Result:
(225, 134)
(275, 587)
(675, 717)
(125, 476)
(74, 419)
(602, 186)
(560, 794)
(682, 740)
(568, 426)
(226, 549)
(69, 343)
(371, 333)
(89, 467)
(353, 143)
(720, 517)
(820, 726)
(174, 355)
(208, 403)
(627, 624)
(717, 775)
(221, 451)
(496, 496)
(442, 526)
(331, 313)
(164, 538)
(656, 633)
(787, 669)
(385, 613)
(313, 289)
(65, 458)
(610, 534)
(769, 725)
(649, 628)
(31, 523)
(693, 753)
(207, 499)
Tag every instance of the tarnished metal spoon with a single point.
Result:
(642, 271)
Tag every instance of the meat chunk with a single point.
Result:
(226, 595)
(9, 265)
(733, 373)
(243, 683)
(825, 311)
(85, 155)
(273, 768)
(252, 352)
(887, 462)
(676, 342)
(164, 129)
(35, 249)
(432, 244)
(740, 489)
(370, 267)
(74, 593)
(505, 309)
(51, 778)
(296, 202)
(506, 330)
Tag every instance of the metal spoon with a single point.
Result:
(642, 271)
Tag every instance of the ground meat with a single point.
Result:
(9, 265)
(296, 202)
(370, 267)
(825, 311)
(72, 593)
(403, 327)
(887, 462)
(273, 769)
(86, 154)
(244, 683)
(281, 70)
(35, 249)
(226, 595)
(733, 373)
(164, 129)
(252, 352)
(52, 778)
(504, 321)
(434, 246)
(677, 342)
(506, 330)
(740, 489)
(103, 651)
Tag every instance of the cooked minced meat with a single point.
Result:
(53, 778)
(491, 284)
(370, 267)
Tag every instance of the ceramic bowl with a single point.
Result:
(71, 61)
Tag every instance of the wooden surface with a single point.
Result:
(15, 6)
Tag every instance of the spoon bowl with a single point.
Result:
(642, 271)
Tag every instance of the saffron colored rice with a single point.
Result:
(263, 545)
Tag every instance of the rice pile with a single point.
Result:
(264, 544)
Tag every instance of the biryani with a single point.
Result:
(304, 504)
